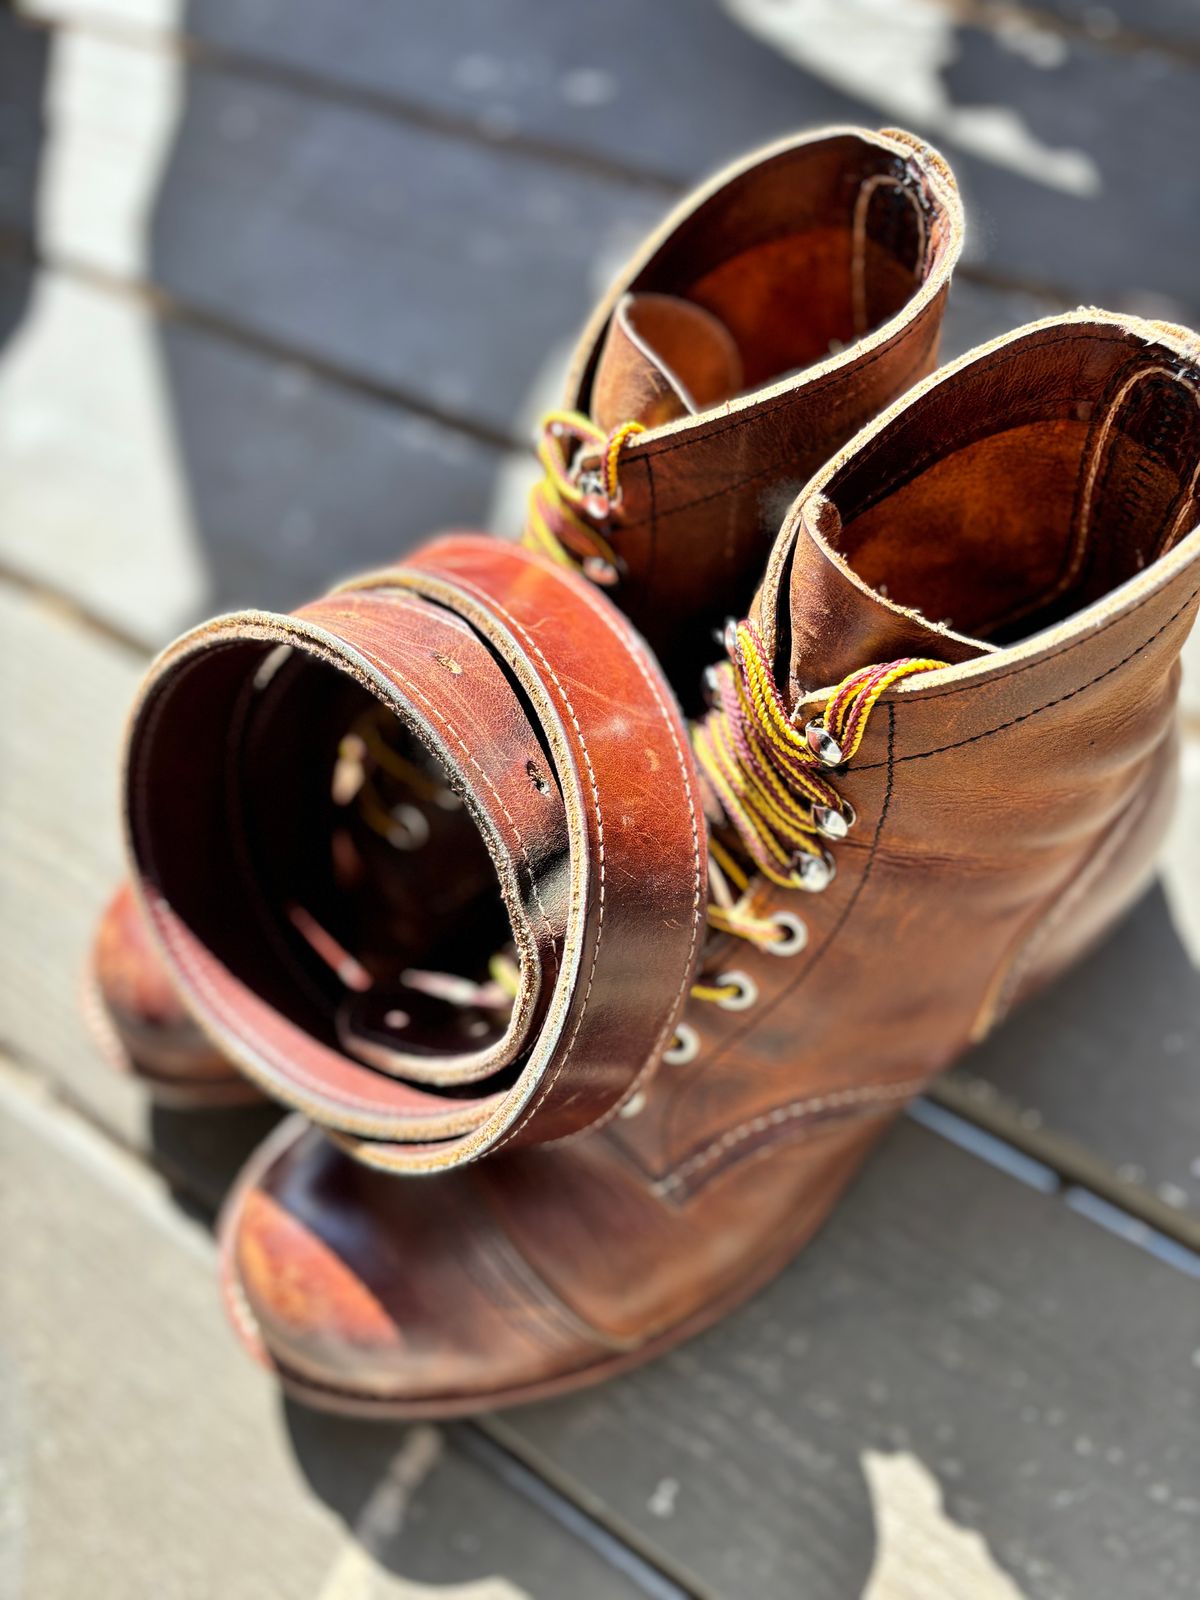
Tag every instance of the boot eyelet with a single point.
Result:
(745, 987)
(834, 824)
(793, 935)
(602, 572)
(822, 744)
(813, 873)
(632, 1106)
(684, 1047)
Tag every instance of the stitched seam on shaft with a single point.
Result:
(603, 615)
(874, 1094)
(922, 755)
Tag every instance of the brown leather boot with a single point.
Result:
(937, 768)
(776, 310)
(142, 1025)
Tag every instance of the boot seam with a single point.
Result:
(1055, 909)
(870, 1097)
(974, 738)
(788, 993)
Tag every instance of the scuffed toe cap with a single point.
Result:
(373, 1293)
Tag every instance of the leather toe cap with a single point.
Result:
(371, 1291)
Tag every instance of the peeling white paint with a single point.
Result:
(920, 1553)
(892, 54)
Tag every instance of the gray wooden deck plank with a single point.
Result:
(142, 1454)
(157, 473)
(1172, 24)
(952, 1328)
(1069, 178)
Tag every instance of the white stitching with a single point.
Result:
(870, 1094)
(651, 1060)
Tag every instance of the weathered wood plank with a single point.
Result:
(1022, 1381)
(1073, 155)
(405, 257)
(157, 473)
(142, 1453)
(1107, 1058)
(1172, 24)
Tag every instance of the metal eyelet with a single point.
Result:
(812, 873)
(834, 824)
(684, 1047)
(794, 935)
(747, 991)
(601, 572)
(632, 1106)
(822, 744)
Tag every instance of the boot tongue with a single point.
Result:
(822, 622)
(663, 358)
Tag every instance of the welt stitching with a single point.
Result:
(866, 1094)
(974, 738)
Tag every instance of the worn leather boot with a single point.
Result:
(776, 310)
(938, 763)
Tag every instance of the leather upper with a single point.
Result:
(826, 259)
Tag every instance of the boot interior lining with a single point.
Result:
(836, 237)
(1055, 475)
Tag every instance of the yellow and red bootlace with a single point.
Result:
(580, 487)
(764, 776)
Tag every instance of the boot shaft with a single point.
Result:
(773, 314)
(1037, 499)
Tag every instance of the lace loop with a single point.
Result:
(578, 492)
(767, 777)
